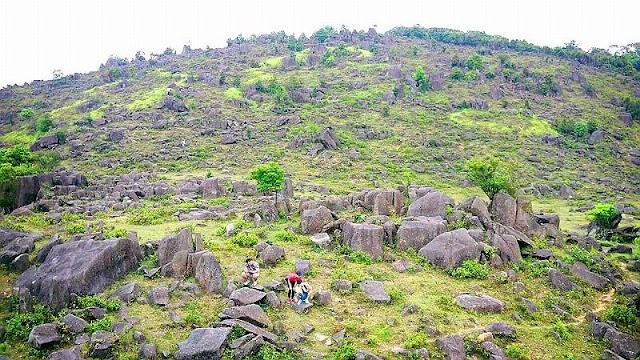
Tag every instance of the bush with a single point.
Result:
(93, 300)
(562, 330)
(44, 124)
(76, 228)
(245, 239)
(421, 79)
(581, 255)
(397, 295)
(416, 340)
(492, 175)
(26, 113)
(114, 232)
(19, 325)
(288, 236)
(621, 315)
(147, 216)
(360, 257)
(604, 215)
(103, 324)
(517, 352)
(346, 351)
(456, 74)
(474, 62)
(471, 269)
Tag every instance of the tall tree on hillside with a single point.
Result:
(270, 177)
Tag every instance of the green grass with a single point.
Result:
(148, 99)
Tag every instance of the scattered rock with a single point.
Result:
(430, 205)
(374, 290)
(128, 292)
(271, 254)
(44, 335)
(582, 272)
(251, 313)
(322, 240)
(66, 354)
(101, 344)
(453, 346)
(561, 281)
(322, 297)
(342, 285)
(148, 351)
(159, 296)
(203, 343)
(73, 323)
(450, 249)
(501, 329)
(303, 266)
(416, 234)
(313, 220)
(246, 296)
(364, 237)
(481, 304)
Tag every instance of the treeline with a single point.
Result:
(626, 60)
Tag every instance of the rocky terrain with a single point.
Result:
(129, 209)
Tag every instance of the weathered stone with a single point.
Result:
(246, 296)
(44, 251)
(503, 208)
(581, 271)
(561, 281)
(211, 188)
(66, 354)
(364, 237)
(148, 351)
(251, 313)
(374, 290)
(388, 202)
(301, 308)
(508, 247)
(128, 292)
(44, 335)
(203, 344)
(501, 329)
(482, 303)
(73, 323)
(450, 249)
(416, 234)
(271, 254)
(430, 205)
(271, 337)
(342, 285)
(313, 220)
(209, 274)
(159, 296)
(303, 266)
(322, 297)
(248, 348)
(453, 346)
(172, 244)
(322, 240)
(272, 300)
(80, 267)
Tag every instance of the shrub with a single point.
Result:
(604, 215)
(621, 315)
(93, 300)
(44, 124)
(270, 177)
(61, 136)
(245, 239)
(474, 62)
(360, 257)
(103, 324)
(397, 295)
(491, 175)
(114, 232)
(27, 113)
(517, 352)
(562, 330)
(288, 236)
(76, 228)
(416, 340)
(581, 255)
(471, 269)
(421, 79)
(146, 216)
(19, 325)
(539, 268)
(346, 351)
(471, 75)
(456, 74)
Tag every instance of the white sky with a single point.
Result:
(37, 37)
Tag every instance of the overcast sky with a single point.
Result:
(37, 37)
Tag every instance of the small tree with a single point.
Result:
(421, 79)
(270, 177)
(492, 175)
(44, 124)
(605, 216)
(474, 62)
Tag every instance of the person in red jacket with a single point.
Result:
(290, 280)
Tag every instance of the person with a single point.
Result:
(290, 281)
(302, 290)
(251, 272)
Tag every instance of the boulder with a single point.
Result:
(374, 290)
(501, 329)
(626, 118)
(561, 281)
(44, 335)
(44, 251)
(173, 103)
(248, 348)
(148, 351)
(430, 205)
(364, 237)
(581, 271)
(416, 234)
(211, 188)
(566, 192)
(269, 211)
(14, 244)
(313, 220)
(171, 244)
(73, 323)
(66, 354)
(477, 207)
(246, 296)
(116, 135)
(342, 285)
(203, 343)
(388, 202)
(481, 304)
(503, 208)
(251, 313)
(208, 273)
(507, 246)
(82, 267)
(101, 344)
(322, 297)
(20, 263)
(322, 240)
(44, 142)
(303, 266)
(453, 346)
(595, 137)
(128, 292)
(450, 249)
(271, 254)
(159, 296)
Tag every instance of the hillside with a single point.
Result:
(374, 133)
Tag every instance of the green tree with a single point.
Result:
(27, 113)
(44, 124)
(604, 215)
(324, 33)
(270, 177)
(492, 175)
(474, 62)
(421, 79)
(457, 74)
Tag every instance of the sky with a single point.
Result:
(38, 37)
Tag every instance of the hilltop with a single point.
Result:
(152, 156)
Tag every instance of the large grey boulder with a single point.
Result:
(251, 313)
(429, 205)
(128, 292)
(482, 303)
(101, 344)
(171, 244)
(581, 271)
(211, 188)
(507, 246)
(44, 251)
(503, 208)
(271, 254)
(416, 234)
(561, 281)
(83, 267)
(453, 346)
(209, 273)
(44, 335)
(13, 244)
(450, 249)
(66, 354)
(73, 323)
(246, 296)
(364, 237)
(374, 290)
(313, 220)
(479, 208)
(203, 344)
(388, 202)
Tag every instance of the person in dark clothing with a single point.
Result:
(290, 280)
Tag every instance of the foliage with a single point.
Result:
(44, 124)
(471, 269)
(245, 239)
(517, 352)
(397, 294)
(604, 215)
(581, 255)
(474, 62)
(633, 107)
(492, 175)
(539, 268)
(270, 177)
(621, 315)
(360, 257)
(471, 75)
(346, 351)
(548, 86)
(577, 129)
(288, 236)
(114, 232)
(416, 340)
(94, 300)
(20, 324)
(323, 34)
(76, 228)
(103, 324)
(147, 215)
(457, 74)
(193, 313)
(562, 330)
(27, 113)
(421, 79)
(330, 56)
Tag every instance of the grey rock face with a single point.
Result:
(174, 243)
(430, 205)
(450, 249)
(251, 313)
(74, 323)
(482, 304)
(374, 290)
(581, 271)
(80, 267)
(561, 281)
(313, 220)
(416, 234)
(365, 237)
(203, 344)
(246, 296)
(209, 273)
(128, 292)
(453, 346)
(503, 208)
(66, 354)
(44, 335)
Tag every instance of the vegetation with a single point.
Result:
(621, 315)
(492, 175)
(270, 177)
(603, 215)
(471, 269)
(421, 79)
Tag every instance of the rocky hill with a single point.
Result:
(130, 208)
